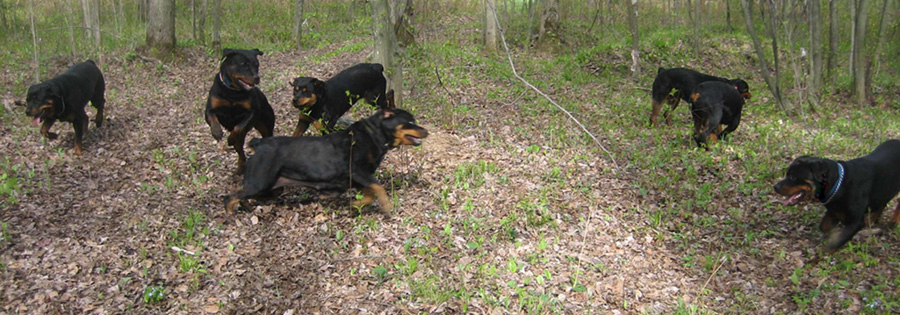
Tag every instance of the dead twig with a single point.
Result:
(528, 84)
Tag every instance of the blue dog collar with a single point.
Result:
(225, 82)
(837, 185)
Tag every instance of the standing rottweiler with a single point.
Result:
(685, 81)
(64, 98)
(324, 102)
(849, 189)
(714, 104)
(335, 161)
(236, 103)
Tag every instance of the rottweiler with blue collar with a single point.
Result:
(236, 103)
(850, 190)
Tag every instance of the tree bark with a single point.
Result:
(860, 59)
(92, 19)
(37, 65)
(71, 27)
(635, 39)
(298, 23)
(217, 25)
(3, 23)
(490, 25)
(832, 40)
(387, 49)
(815, 51)
(161, 28)
(882, 34)
(761, 56)
(728, 15)
(143, 9)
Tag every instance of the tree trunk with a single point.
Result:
(71, 28)
(37, 64)
(387, 49)
(161, 28)
(761, 56)
(298, 23)
(882, 34)
(92, 19)
(860, 59)
(693, 11)
(549, 22)
(490, 25)
(635, 39)
(815, 51)
(3, 22)
(832, 40)
(728, 16)
(143, 10)
(401, 13)
(217, 25)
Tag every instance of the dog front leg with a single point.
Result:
(45, 129)
(214, 126)
(837, 240)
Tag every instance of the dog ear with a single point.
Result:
(58, 103)
(228, 52)
(258, 52)
(388, 113)
(318, 84)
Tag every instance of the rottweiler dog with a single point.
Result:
(684, 81)
(64, 98)
(236, 103)
(324, 102)
(334, 162)
(849, 189)
(713, 105)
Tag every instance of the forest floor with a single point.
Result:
(505, 208)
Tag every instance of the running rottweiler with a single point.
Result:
(849, 189)
(713, 105)
(324, 102)
(236, 103)
(684, 81)
(335, 161)
(64, 98)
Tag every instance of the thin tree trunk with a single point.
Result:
(92, 19)
(386, 48)
(37, 65)
(217, 12)
(832, 40)
(882, 34)
(728, 15)
(71, 28)
(490, 25)
(693, 11)
(635, 39)
(860, 60)
(298, 24)
(3, 22)
(761, 56)
(815, 50)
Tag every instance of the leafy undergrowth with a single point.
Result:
(507, 207)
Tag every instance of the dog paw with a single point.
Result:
(217, 134)
(51, 135)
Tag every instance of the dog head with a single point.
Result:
(44, 101)
(240, 67)
(399, 127)
(307, 91)
(742, 88)
(802, 181)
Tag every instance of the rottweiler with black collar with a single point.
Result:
(236, 103)
(850, 190)
(685, 82)
(322, 103)
(335, 161)
(64, 98)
